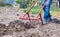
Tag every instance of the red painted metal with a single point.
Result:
(39, 17)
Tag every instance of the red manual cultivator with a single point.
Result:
(39, 17)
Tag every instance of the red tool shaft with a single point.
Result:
(30, 7)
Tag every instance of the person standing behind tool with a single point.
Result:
(47, 16)
(24, 4)
(59, 3)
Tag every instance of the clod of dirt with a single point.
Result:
(54, 35)
(17, 14)
(35, 35)
(16, 26)
(29, 25)
(56, 21)
(4, 30)
(20, 25)
(7, 36)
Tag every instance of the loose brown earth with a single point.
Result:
(12, 26)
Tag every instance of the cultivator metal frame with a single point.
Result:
(39, 16)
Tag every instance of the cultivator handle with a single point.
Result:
(39, 17)
(31, 7)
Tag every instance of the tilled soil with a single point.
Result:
(12, 26)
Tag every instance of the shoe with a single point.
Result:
(44, 22)
(49, 20)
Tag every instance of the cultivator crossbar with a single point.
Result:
(39, 17)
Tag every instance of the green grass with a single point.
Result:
(35, 10)
(56, 9)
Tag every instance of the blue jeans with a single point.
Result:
(47, 9)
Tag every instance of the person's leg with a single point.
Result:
(47, 11)
(47, 15)
(59, 4)
(43, 1)
(44, 19)
(24, 4)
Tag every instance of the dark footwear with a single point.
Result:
(49, 20)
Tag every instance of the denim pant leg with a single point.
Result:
(47, 13)
(43, 1)
(47, 9)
